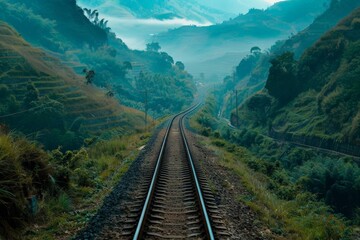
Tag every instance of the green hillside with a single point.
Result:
(45, 99)
(251, 73)
(304, 39)
(301, 134)
(313, 101)
(62, 21)
(319, 94)
(85, 42)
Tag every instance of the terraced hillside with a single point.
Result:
(21, 64)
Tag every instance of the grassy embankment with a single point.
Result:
(68, 187)
(278, 193)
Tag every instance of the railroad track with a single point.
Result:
(171, 202)
(175, 207)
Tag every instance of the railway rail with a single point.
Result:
(173, 201)
(174, 207)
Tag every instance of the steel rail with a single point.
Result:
(199, 194)
(146, 208)
(151, 191)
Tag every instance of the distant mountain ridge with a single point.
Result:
(258, 27)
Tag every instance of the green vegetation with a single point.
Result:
(289, 212)
(299, 193)
(309, 101)
(46, 101)
(282, 82)
(299, 42)
(327, 108)
(318, 95)
(252, 72)
(34, 19)
(86, 42)
(45, 189)
(24, 172)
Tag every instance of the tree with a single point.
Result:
(255, 50)
(89, 76)
(259, 105)
(180, 65)
(282, 81)
(110, 93)
(167, 57)
(127, 65)
(93, 16)
(153, 47)
(228, 81)
(4, 92)
(32, 94)
(45, 113)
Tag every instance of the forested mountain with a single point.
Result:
(59, 24)
(47, 101)
(86, 42)
(313, 101)
(251, 73)
(301, 41)
(238, 35)
(303, 128)
(317, 95)
(48, 116)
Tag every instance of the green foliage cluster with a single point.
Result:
(319, 94)
(64, 20)
(8, 104)
(44, 187)
(276, 193)
(168, 85)
(282, 82)
(165, 94)
(291, 171)
(299, 42)
(40, 117)
(337, 182)
(205, 116)
(252, 72)
(89, 41)
(24, 172)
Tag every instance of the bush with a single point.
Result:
(219, 143)
(78, 159)
(83, 178)
(282, 82)
(62, 177)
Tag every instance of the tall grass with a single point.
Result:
(24, 172)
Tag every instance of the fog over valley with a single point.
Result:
(137, 28)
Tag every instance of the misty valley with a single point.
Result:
(180, 119)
